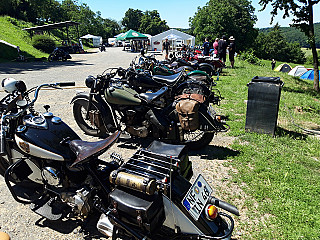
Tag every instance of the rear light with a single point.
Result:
(211, 212)
(218, 117)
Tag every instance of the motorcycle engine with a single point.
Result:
(135, 125)
(78, 197)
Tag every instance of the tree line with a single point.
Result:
(40, 12)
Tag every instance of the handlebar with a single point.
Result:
(224, 205)
(66, 84)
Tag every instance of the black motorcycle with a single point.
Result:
(60, 176)
(113, 105)
(59, 54)
(102, 48)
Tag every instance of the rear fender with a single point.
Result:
(108, 117)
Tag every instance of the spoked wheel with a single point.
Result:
(92, 126)
(197, 139)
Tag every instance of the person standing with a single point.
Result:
(232, 50)
(273, 64)
(165, 46)
(222, 48)
(206, 47)
(215, 47)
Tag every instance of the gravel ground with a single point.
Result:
(17, 219)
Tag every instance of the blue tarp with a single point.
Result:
(308, 75)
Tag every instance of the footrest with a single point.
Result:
(49, 208)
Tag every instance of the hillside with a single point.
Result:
(11, 32)
(295, 35)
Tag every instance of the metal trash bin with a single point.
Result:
(263, 104)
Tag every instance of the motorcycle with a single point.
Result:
(147, 197)
(102, 48)
(59, 54)
(113, 105)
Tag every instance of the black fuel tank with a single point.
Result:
(45, 141)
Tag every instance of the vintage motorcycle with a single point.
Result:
(113, 105)
(59, 54)
(61, 177)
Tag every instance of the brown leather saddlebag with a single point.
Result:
(188, 113)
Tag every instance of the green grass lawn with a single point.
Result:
(281, 174)
(13, 34)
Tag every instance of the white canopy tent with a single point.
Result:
(175, 37)
(96, 40)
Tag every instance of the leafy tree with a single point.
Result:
(152, 24)
(225, 17)
(274, 45)
(303, 19)
(132, 19)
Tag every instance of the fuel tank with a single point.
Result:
(121, 95)
(41, 137)
(144, 80)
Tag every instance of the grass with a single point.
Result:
(11, 32)
(280, 174)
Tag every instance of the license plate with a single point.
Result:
(197, 197)
(211, 111)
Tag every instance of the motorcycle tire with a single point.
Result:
(200, 141)
(79, 113)
(4, 164)
(51, 58)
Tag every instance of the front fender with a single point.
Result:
(105, 109)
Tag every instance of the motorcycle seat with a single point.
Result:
(149, 97)
(168, 80)
(87, 150)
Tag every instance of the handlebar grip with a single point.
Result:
(2, 142)
(66, 84)
(224, 205)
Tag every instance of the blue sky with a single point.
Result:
(177, 12)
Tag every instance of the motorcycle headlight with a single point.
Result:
(90, 81)
(10, 85)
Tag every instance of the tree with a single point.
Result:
(303, 19)
(274, 45)
(225, 17)
(152, 24)
(132, 19)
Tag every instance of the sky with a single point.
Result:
(178, 12)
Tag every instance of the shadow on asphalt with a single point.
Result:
(18, 67)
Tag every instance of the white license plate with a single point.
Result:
(211, 111)
(197, 197)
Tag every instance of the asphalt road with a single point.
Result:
(17, 219)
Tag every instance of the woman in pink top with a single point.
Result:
(215, 47)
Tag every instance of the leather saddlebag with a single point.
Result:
(188, 114)
(138, 209)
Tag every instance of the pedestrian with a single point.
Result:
(232, 50)
(165, 46)
(215, 47)
(273, 64)
(206, 47)
(222, 48)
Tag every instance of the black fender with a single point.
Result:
(203, 66)
(205, 90)
(108, 118)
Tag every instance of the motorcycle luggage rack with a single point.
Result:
(150, 164)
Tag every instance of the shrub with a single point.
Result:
(250, 57)
(43, 43)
